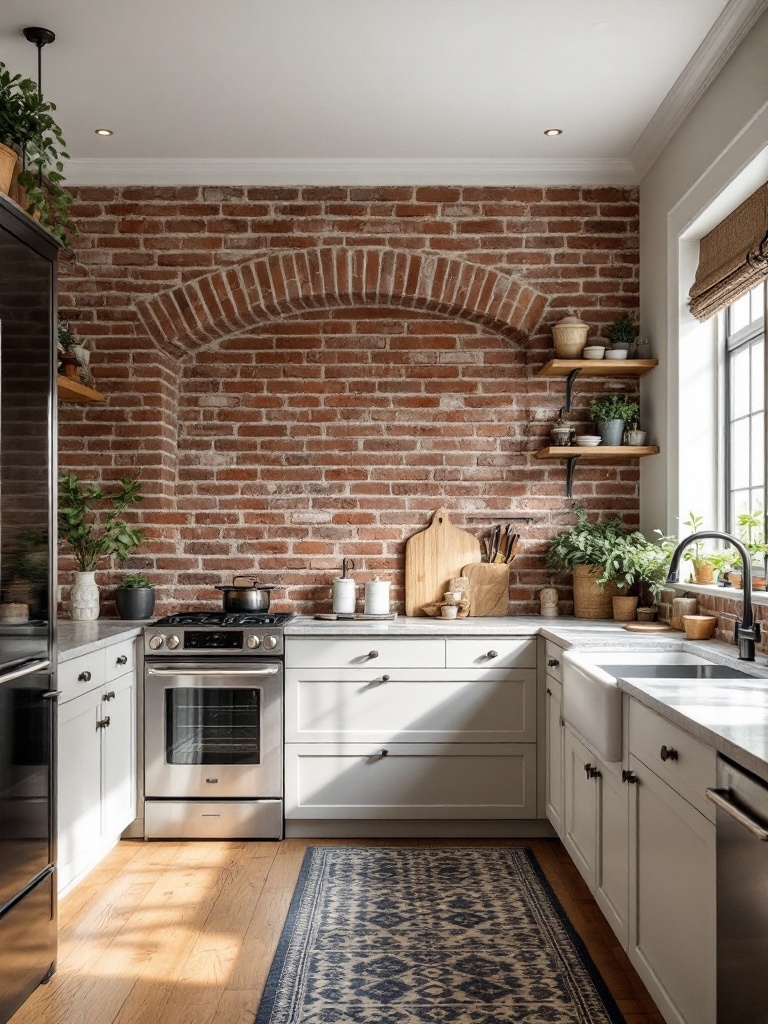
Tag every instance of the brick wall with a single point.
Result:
(300, 374)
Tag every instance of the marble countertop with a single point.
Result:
(75, 639)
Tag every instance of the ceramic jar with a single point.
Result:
(570, 336)
(85, 597)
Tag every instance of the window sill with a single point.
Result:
(729, 593)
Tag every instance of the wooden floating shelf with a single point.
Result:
(597, 367)
(599, 452)
(69, 390)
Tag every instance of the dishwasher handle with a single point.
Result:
(721, 798)
(270, 670)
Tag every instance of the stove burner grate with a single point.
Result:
(225, 619)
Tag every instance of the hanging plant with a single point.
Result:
(27, 126)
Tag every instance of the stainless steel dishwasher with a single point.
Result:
(741, 800)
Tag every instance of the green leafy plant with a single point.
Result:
(588, 543)
(90, 520)
(27, 125)
(616, 407)
(136, 581)
(639, 563)
(622, 331)
(66, 337)
(751, 530)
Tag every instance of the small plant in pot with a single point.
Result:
(584, 550)
(634, 435)
(90, 522)
(623, 334)
(751, 530)
(640, 565)
(610, 415)
(135, 597)
(707, 562)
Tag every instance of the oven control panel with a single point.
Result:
(179, 640)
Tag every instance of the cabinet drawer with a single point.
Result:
(553, 660)
(363, 652)
(80, 675)
(490, 652)
(412, 705)
(690, 772)
(120, 658)
(412, 780)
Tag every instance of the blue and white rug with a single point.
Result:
(430, 935)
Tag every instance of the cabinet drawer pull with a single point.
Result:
(51, 694)
(108, 696)
(668, 753)
(549, 691)
(553, 663)
(122, 660)
(103, 723)
(628, 777)
(591, 771)
(492, 654)
(84, 677)
(373, 654)
(385, 679)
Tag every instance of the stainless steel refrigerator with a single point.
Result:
(27, 623)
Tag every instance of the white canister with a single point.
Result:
(377, 597)
(344, 595)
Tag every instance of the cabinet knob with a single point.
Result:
(108, 696)
(549, 691)
(492, 654)
(103, 723)
(628, 777)
(385, 679)
(553, 663)
(373, 654)
(592, 772)
(84, 677)
(384, 753)
(122, 660)
(668, 753)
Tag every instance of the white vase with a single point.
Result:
(85, 597)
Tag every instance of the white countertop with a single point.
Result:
(74, 639)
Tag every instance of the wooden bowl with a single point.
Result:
(699, 627)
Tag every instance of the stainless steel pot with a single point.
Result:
(248, 597)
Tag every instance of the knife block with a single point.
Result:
(488, 588)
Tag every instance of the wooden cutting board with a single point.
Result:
(647, 627)
(432, 558)
(488, 588)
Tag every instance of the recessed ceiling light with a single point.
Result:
(553, 131)
(104, 131)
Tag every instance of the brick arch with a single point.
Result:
(229, 301)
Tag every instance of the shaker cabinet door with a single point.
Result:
(79, 784)
(119, 756)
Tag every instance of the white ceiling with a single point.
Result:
(423, 88)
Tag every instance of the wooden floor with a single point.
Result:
(184, 933)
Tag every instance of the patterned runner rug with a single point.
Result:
(430, 935)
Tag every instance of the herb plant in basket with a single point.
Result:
(135, 597)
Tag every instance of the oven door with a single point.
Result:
(213, 730)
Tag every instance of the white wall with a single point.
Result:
(715, 160)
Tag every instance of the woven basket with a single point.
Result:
(624, 608)
(705, 573)
(7, 169)
(591, 601)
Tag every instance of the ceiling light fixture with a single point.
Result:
(553, 131)
(39, 36)
(104, 131)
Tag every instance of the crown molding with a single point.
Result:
(139, 171)
(719, 44)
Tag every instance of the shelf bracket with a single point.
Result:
(570, 466)
(569, 388)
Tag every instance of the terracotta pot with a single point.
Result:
(736, 579)
(624, 608)
(705, 573)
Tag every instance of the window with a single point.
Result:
(745, 405)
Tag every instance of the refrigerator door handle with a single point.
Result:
(25, 670)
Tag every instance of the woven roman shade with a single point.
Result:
(733, 257)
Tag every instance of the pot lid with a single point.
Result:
(571, 321)
(242, 589)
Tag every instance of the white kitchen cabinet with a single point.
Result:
(410, 780)
(581, 806)
(554, 752)
(672, 899)
(457, 717)
(612, 866)
(96, 760)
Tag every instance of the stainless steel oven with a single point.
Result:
(213, 733)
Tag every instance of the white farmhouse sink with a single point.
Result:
(592, 701)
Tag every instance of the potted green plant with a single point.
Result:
(634, 435)
(610, 414)
(74, 355)
(751, 530)
(585, 550)
(28, 129)
(622, 334)
(135, 597)
(640, 565)
(90, 522)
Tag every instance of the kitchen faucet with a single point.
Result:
(747, 631)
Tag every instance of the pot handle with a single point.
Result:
(251, 582)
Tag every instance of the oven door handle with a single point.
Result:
(720, 798)
(270, 670)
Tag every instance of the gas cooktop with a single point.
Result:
(223, 619)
